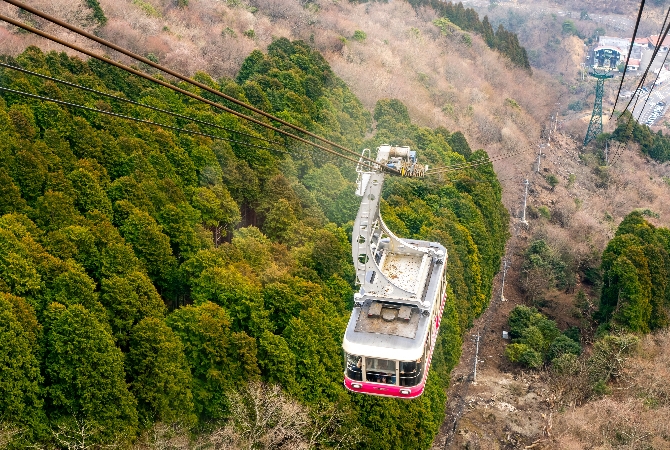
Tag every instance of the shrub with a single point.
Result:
(536, 339)
(552, 180)
(523, 354)
(98, 13)
(359, 36)
(565, 365)
(561, 346)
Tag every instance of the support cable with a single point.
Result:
(366, 161)
(664, 31)
(150, 63)
(653, 85)
(116, 97)
(630, 50)
(474, 163)
(134, 119)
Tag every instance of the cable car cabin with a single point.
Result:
(389, 341)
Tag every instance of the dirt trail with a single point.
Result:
(506, 408)
(503, 408)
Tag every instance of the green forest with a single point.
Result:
(636, 294)
(656, 145)
(149, 276)
(501, 39)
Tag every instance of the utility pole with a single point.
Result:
(555, 120)
(606, 153)
(474, 376)
(525, 197)
(539, 156)
(502, 287)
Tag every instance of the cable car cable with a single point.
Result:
(132, 55)
(134, 119)
(84, 88)
(664, 32)
(366, 161)
(630, 50)
(652, 87)
(475, 163)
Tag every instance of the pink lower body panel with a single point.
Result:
(384, 390)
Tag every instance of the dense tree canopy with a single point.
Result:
(502, 40)
(145, 274)
(654, 144)
(636, 294)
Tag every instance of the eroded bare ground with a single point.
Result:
(507, 408)
(504, 408)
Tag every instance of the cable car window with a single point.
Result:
(354, 367)
(411, 372)
(380, 370)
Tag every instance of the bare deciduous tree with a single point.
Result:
(262, 417)
(76, 433)
(7, 434)
(165, 437)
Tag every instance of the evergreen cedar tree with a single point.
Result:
(116, 308)
(634, 298)
(501, 40)
(635, 294)
(655, 145)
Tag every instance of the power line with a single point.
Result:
(171, 72)
(116, 97)
(365, 161)
(630, 50)
(134, 119)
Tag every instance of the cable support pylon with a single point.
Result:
(596, 123)
(367, 161)
(132, 102)
(134, 119)
(175, 74)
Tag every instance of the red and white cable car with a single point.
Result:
(389, 341)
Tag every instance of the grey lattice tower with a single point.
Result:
(596, 124)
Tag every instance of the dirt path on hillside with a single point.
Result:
(503, 408)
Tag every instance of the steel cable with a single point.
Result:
(664, 31)
(116, 97)
(171, 72)
(630, 50)
(134, 119)
(41, 33)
